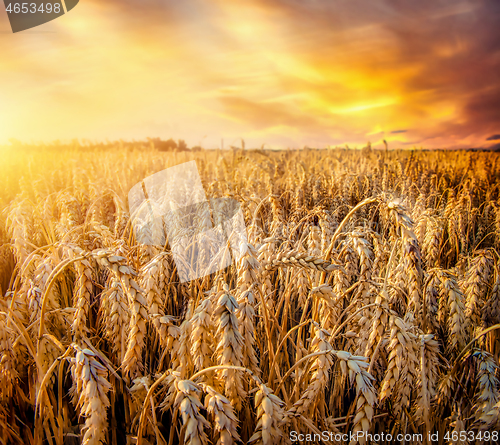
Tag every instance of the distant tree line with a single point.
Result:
(172, 145)
(156, 143)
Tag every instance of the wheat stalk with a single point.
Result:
(90, 388)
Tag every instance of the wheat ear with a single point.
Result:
(90, 387)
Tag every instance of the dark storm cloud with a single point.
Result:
(453, 48)
(455, 45)
(460, 59)
(495, 137)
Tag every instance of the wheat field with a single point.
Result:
(367, 301)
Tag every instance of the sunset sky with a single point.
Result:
(287, 73)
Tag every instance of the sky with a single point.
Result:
(285, 73)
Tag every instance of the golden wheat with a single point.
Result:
(367, 299)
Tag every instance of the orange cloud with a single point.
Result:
(282, 72)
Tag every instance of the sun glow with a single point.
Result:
(260, 71)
